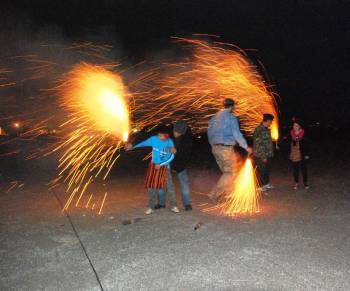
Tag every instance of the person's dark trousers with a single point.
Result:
(263, 170)
(297, 166)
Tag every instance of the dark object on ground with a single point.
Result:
(188, 207)
(198, 225)
(131, 221)
(158, 206)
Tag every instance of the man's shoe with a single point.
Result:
(149, 211)
(175, 209)
(262, 189)
(158, 206)
(188, 207)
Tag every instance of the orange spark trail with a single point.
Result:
(244, 199)
(97, 103)
(194, 89)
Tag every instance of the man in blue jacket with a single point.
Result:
(223, 135)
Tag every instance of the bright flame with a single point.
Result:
(99, 122)
(274, 130)
(244, 199)
(101, 96)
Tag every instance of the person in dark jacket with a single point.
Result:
(183, 144)
(299, 153)
(263, 151)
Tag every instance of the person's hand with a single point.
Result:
(157, 167)
(128, 146)
(307, 157)
(173, 150)
(249, 150)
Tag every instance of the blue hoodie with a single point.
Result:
(161, 154)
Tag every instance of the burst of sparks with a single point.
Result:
(96, 100)
(195, 89)
(244, 199)
(99, 108)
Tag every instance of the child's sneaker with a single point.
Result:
(149, 211)
(175, 209)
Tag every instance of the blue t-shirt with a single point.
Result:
(161, 154)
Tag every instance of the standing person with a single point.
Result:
(183, 144)
(263, 151)
(223, 135)
(299, 153)
(159, 175)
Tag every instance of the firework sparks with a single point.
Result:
(194, 90)
(244, 199)
(96, 100)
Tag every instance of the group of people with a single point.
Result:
(173, 154)
(168, 155)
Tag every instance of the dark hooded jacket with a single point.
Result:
(183, 146)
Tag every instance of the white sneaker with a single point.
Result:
(149, 211)
(296, 186)
(175, 209)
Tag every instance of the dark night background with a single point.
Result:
(302, 44)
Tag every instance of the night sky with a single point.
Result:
(304, 45)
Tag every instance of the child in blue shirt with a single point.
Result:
(159, 176)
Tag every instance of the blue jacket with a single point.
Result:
(224, 129)
(161, 154)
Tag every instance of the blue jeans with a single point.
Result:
(169, 189)
(184, 186)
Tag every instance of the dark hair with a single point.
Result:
(228, 102)
(162, 128)
(297, 121)
(268, 117)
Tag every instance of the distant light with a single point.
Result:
(16, 125)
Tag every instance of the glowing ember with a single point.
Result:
(99, 96)
(245, 197)
(274, 130)
(96, 100)
(195, 89)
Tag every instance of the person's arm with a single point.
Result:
(168, 161)
(237, 133)
(146, 143)
(172, 155)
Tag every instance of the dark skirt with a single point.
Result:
(156, 179)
